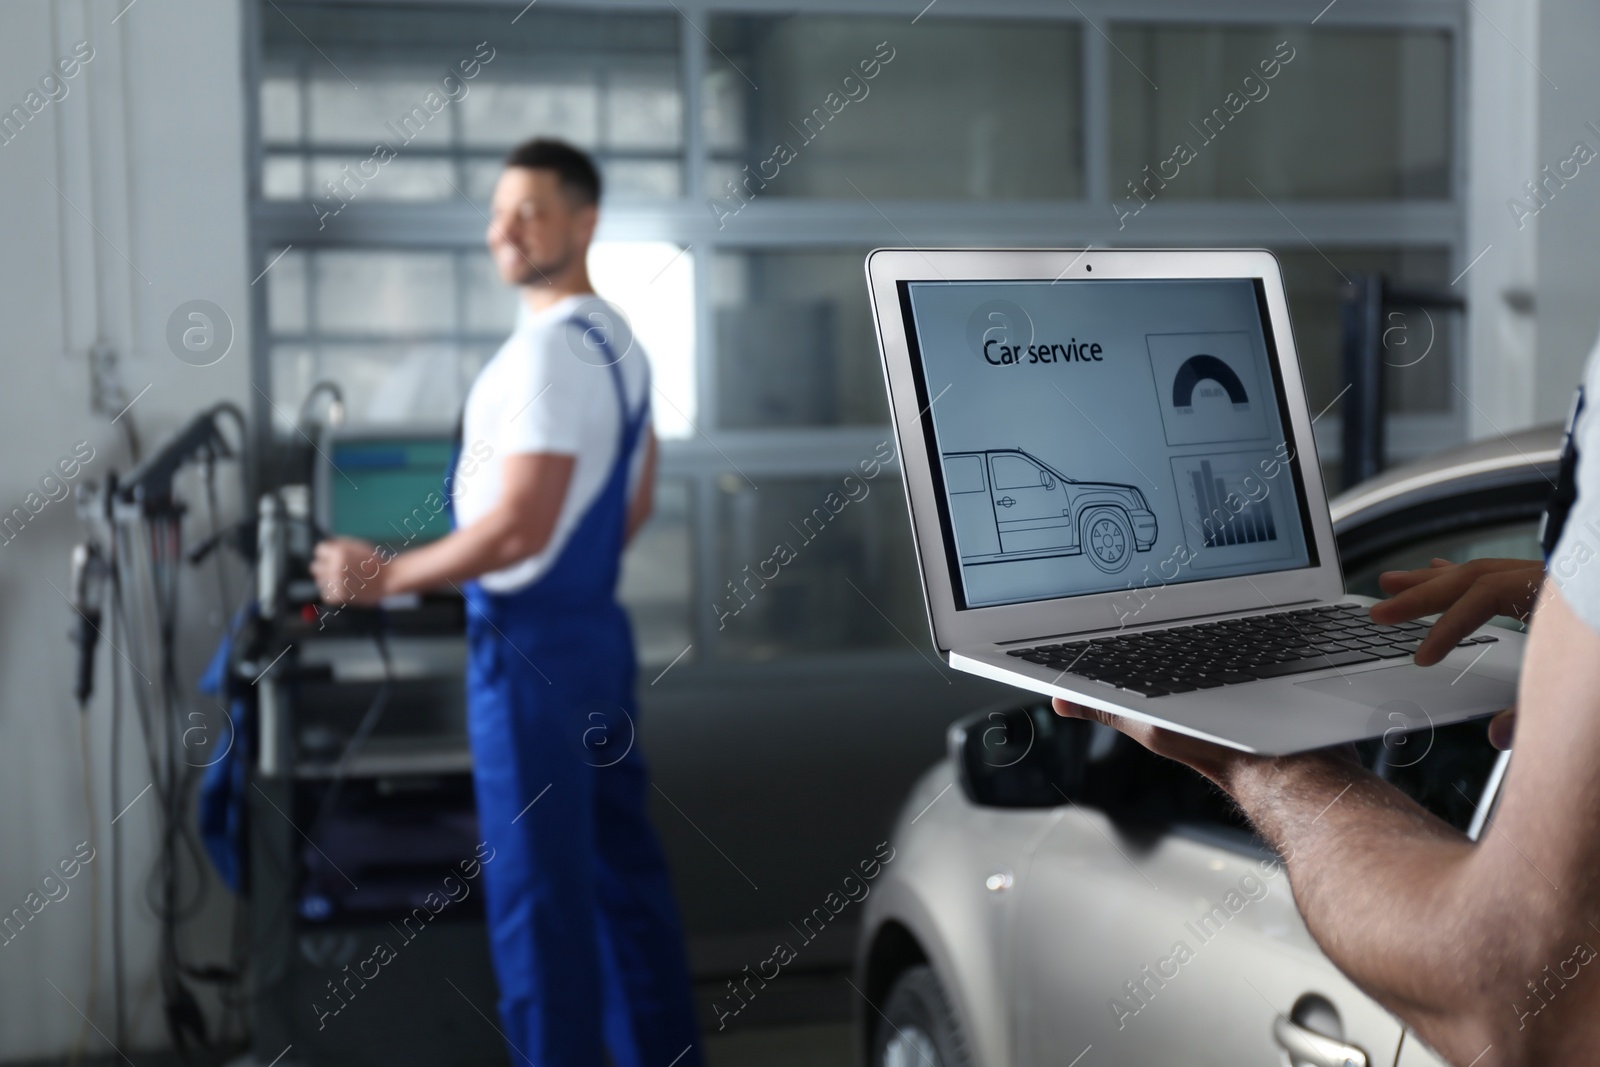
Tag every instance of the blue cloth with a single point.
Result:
(583, 927)
(226, 758)
(1554, 520)
(1573, 561)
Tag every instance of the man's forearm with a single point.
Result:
(1385, 887)
(520, 524)
(1467, 942)
(495, 541)
(643, 501)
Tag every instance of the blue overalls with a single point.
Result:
(583, 927)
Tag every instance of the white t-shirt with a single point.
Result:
(549, 389)
(1574, 563)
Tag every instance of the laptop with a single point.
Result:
(1115, 499)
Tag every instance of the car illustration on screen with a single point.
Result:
(1006, 504)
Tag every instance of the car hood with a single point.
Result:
(1484, 464)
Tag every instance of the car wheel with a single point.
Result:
(1107, 539)
(918, 1028)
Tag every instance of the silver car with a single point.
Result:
(1060, 896)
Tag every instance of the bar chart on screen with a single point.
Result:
(1221, 524)
(1228, 507)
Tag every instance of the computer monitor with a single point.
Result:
(384, 485)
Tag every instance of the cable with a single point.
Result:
(326, 385)
(336, 413)
(209, 476)
(145, 566)
(118, 978)
(135, 450)
(183, 1013)
(157, 577)
(82, 1043)
(146, 533)
(369, 720)
(246, 466)
(233, 974)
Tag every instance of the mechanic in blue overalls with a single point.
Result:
(552, 478)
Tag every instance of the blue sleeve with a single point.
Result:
(1574, 564)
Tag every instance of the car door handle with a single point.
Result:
(1005, 502)
(1307, 1046)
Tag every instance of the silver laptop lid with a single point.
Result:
(1098, 439)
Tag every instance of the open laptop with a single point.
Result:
(1115, 498)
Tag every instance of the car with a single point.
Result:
(1061, 896)
(1007, 504)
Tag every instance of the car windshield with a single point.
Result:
(1517, 540)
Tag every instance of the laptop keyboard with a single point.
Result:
(1233, 651)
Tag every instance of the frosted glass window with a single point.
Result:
(395, 111)
(658, 579)
(283, 177)
(850, 583)
(653, 283)
(491, 304)
(280, 109)
(503, 114)
(607, 81)
(385, 292)
(628, 179)
(1349, 114)
(286, 292)
(644, 110)
(1011, 129)
(294, 372)
(794, 340)
(1420, 348)
(397, 382)
(357, 178)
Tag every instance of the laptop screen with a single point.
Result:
(1094, 436)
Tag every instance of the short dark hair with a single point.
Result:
(576, 171)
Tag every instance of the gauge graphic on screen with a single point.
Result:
(1007, 504)
(1209, 387)
(1211, 376)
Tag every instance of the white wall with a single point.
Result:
(148, 145)
(1503, 94)
(1569, 226)
(1534, 85)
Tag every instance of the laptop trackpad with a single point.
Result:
(1410, 690)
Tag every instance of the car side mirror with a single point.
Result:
(1017, 756)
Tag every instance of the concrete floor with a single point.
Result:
(802, 1021)
(822, 1044)
(811, 1045)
